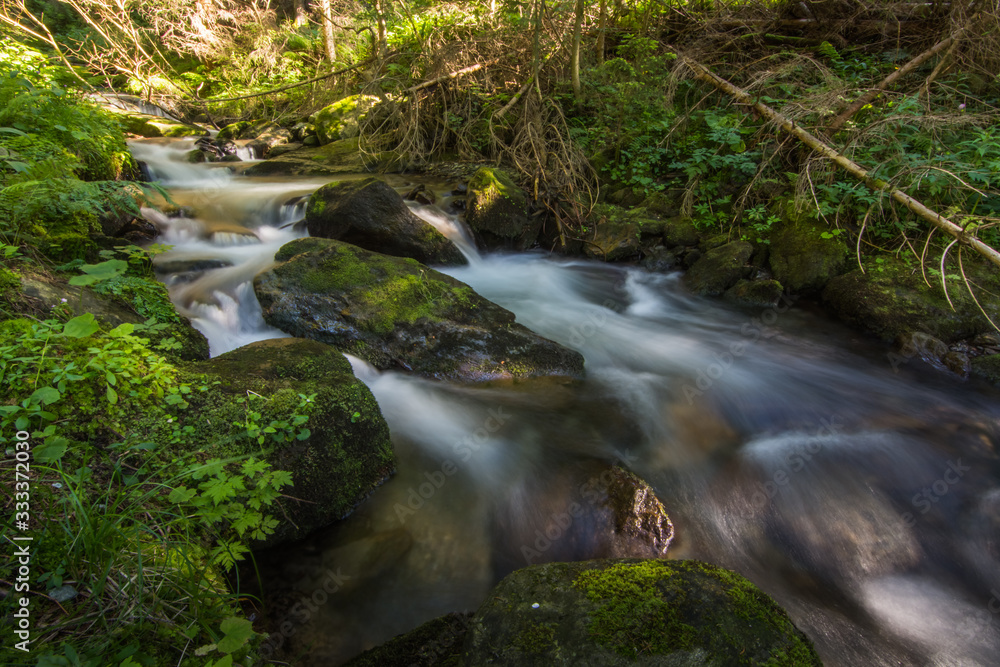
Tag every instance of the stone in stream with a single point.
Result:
(719, 269)
(585, 511)
(371, 215)
(497, 212)
(802, 260)
(614, 612)
(347, 453)
(397, 313)
(343, 156)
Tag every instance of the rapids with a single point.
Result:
(862, 493)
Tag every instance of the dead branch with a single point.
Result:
(447, 77)
(288, 87)
(889, 80)
(937, 220)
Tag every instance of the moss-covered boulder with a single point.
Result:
(680, 232)
(613, 241)
(342, 119)
(987, 367)
(397, 313)
(127, 299)
(632, 612)
(763, 293)
(436, 643)
(891, 298)
(370, 214)
(241, 129)
(802, 259)
(339, 157)
(719, 269)
(150, 126)
(347, 453)
(497, 212)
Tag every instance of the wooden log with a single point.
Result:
(879, 185)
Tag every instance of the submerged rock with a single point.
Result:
(397, 313)
(347, 453)
(436, 642)
(632, 612)
(497, 212)
(370, 214)
(719, 269)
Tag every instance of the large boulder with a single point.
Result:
(342, 119)
(150, 126)
(370, 214)
(347, 453)
(632, 612)
(719, 269)
(802, 259)
(397, 313)
(891, 298)
(497, 212)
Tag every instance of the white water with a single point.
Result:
(778, 452)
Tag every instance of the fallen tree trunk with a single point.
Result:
(447, 77)
(932, 217)
(889, 80)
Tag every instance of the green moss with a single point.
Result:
(987, 367)
(10, 284)
(536, 638)
(638, 610)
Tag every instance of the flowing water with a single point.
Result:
(860, 492)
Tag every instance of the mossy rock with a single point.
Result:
(348, 452)
(370, 214)
(613, 241)
(497, 212)
(436, 643)
(719, 269)
(755, 293)
(398, 313)
(342, 119)
(988, 368)
(149, 126)
(633, 612)
(680, 231)
(339, 157)
(891, 298)
(802, 260)
(664, 204)
(242, 129)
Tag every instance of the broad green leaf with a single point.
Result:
(81, 326)
(51, 450)
(181, 494)
(44, 396)
(238, 632)
(122, 330)
(112, 396)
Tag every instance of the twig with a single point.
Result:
(452, 75)
(283, 88)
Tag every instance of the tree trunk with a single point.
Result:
(380, 20)
(329, 45)
(300, 13)
(602, 26)
(575, 59)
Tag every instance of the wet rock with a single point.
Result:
(397, 313)
(370, 214)
(755, 293)
(659, 260)
(421, 195)
(987, 367)
(281, 149)
(310, 140)
(149, 126)
(958, 363)
(198, 156)
(680, 232)
(894, 300)
(719, 269)
(664, 204)
(339, 157)
(919, 344)
(581, 512)
(243, 129)
(802, 260)
(632, 612)
(341, 120)
(269, 137)
(347, 453)
(190, 265)
(497, 212)
(613, 241)
(436, 642)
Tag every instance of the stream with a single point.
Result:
(862, 493)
